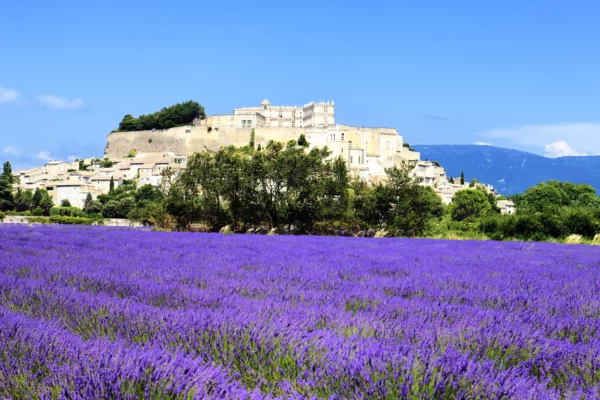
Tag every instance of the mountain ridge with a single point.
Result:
(511, 171)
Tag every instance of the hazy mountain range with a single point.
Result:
(511, 171)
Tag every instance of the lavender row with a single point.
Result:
(324, 316)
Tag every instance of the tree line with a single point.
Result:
(169, 117)
(290, 189)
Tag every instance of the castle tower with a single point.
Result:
(265, 110)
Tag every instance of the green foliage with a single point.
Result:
(7, 172)
(470, 204)
(451, 180)
(252, 136)
(65, 220)
(65, 203)
(558, 224)
(88, 200)
(132, 153)
(7, 201)
(169, 117)
(2, 216)
(41, 202)
(405, 206)
(462, 177)
(66, 211)
(94, 208)
(302, 141)
(278, 186)
(106, 163)
(111, 185)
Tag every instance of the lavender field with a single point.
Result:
(108, 313)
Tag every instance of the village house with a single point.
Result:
(506, 206)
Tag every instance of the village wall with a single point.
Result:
(192, 139)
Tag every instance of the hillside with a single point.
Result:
(511, 171)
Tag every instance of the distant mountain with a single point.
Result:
(511, 171)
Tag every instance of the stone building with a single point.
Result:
(311, 115)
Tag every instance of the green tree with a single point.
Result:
(418, 211)
(336, 199)
(462, 177)
(7, 201)
(302, 141)
(111, 185)
(469, 204)
(168, 117)
(88, 201)
(112, 209)
(451, 180)
(129, 123)
(7, 172)
(23, 200)
(94, 208)
(65, 203)
(42, 201)
(544, 197)
(252, 139)
(406, 206)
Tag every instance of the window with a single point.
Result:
(280, 123)
(265, 107)
(280, 114)
(342, 135)
(325, 109)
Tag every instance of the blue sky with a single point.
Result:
(516, 74)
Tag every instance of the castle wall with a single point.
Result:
(192, 139)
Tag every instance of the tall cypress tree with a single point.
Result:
(111, 188)
(7, 172)
(462, 177)
(7, 200)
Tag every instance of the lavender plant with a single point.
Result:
(93, 312)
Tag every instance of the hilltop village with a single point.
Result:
(142, 156)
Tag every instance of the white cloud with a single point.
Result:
(482, 144)
(60, 103)
(577, 137)
(8, 95)
(44, 155)
(561, 149)
(12, 150)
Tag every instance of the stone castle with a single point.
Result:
(311, 115)
(368, 151)
(142, 156)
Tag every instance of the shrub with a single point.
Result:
(66, 212)
(2, 216)
(573, 239)
(38, 211)
(65, 220)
